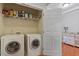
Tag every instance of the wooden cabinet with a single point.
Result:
(76, 51)
(68, 50)
(30, 13)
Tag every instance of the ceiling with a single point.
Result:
(44, 6)
(72, 7)
(39, 5)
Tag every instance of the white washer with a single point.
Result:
(34, 44)
(12, 45)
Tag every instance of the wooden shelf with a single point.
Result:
(23, 18)
(36, 14)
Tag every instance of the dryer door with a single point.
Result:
(12, 47)
(35, 43)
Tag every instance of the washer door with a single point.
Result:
(12, 47)
(35, 43)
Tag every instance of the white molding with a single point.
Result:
(30, 6)
(71, 10)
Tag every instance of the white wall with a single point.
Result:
(71, 20)
(13, 25)
(1, 24)
(1, 21)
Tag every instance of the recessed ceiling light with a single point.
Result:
(65, 4)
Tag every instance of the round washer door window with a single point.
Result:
(35, 43)
(12, 47)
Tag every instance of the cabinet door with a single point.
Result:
(47, 44)
(76, 51)
(67, 50)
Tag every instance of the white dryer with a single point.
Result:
(12, 45)
(34, 44)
